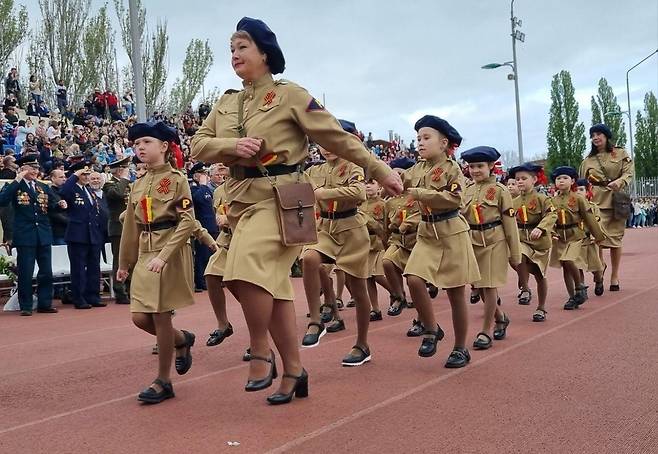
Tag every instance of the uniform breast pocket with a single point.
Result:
(489, 210)
(416, 182)
(270, 105)
(227, 118)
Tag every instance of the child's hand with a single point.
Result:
(536, 233)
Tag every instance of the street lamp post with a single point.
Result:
(517, 35)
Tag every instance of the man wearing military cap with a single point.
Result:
(32, 201)
(204, 212)
(116, 192)
(84, 236)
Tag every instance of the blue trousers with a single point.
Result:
(202, 254)
(85, 260)
(27, 255)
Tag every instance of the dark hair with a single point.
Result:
(608, 147)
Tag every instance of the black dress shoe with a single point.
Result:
(218, 336)
(417, 329)
(570, 304)
(362, 356)
(475, 297)
(539, 315)
(299, 390)
(122, 301)
(482, 342)
(313, 340)
(47, 310)
(376, 316)
(598, 288)
(83, 306)
(325, 315)
(459, 357)
(184, 363)
(614, 287)
(428, 346)
(395, 310)
(351, 303)
(262, 383)
(525, 297)
(198, 290)
(99, 304)
(337, 325)
(151, 396)
(26, 313)
(247, 355)
(432, 290)
(500, 333)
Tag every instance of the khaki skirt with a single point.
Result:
(445, 262)
(615, 229)
(376, 263)
(157, 293)
(565, 252)
(217, 263)
(397, 255)
(347, 249)
(589, 260)
(539, 258)
(492, 262)
(256, 254)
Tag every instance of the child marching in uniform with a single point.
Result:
(155, 245)
(590, 260)
(495, 237)
(375, 210)
(535, 217)
(571, 209)
(342, 239)
(443, 254)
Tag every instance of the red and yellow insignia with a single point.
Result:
(532, 204)
(551, 208)
(147, 209)
(572, 202)
(163, 186)
(403, 216)
(341, 170)
(477, 212)
(436, 174)
(314, 106)
(269, 97)
(523, 214)
(491, 193)
(377, 211)
(268, 159)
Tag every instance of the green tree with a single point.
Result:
(604, 102)
(566, 135)
(198, 60)
(646, 138)
(96, 67)
(13, 30)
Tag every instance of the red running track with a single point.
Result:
(583, 382)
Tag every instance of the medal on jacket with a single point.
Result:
(532, 204)
(42, 198)
(403, 216)
(477, 215)
(147, 209)
(572, 202)
(78, 200)
(269, 97)
(23, 198)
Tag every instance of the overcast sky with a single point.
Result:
(383, 64)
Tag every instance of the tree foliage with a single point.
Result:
(198, 60)
(96, 67)
(13, 30)
(604, 103)
(646, 138)
(566, 134)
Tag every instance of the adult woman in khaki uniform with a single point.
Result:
(277, 119)
(489, 211)
(610, 170)
(572, 209)
(443, 255)
(590, 261)
(535, 217)
(155, 245)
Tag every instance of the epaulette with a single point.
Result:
(180, 172)
(500, 185)
(281, 82)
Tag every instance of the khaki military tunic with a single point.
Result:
(589, 259)
(342, 241)
(375, 211)
(490, 213)
(443, 254)
(217, 262)
(171, 201)
(403, 215)
(618, 167)
(535, 210)
(284, 116)
(572, 209)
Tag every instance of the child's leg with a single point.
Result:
(311, 265)
(383, 282)
(372, 293)
(490, 297)
(524, 273)
(422, 301)
(360, 294)
(459, 314)
(395, 282)
(167, 337)
(144, 322)
(542, 286)
(340, 283)
(328, 292)
(217, 300)
(568, 279)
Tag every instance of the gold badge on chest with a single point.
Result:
(23, 198)
(42, 199)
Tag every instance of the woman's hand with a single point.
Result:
(247, 147)
(614, 185)
(392, 183)
(122, 275)
(536, 233)
(156, 264)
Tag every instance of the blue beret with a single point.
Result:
(602, 129)
(430, 121)
(348, 126)
(28, 159)
(527, 167)
(402, 163)
(582, 182)
(157, 130)
(481, 154)
(266, 41)
(564, 170)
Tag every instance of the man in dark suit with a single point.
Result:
(117, 190)
(205, 214)
(33, 237)
(84, 237)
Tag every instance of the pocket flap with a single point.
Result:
(291, 196)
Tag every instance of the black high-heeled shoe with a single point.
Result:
(299, 390)
(266, 382)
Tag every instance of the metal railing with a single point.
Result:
(646, 187)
